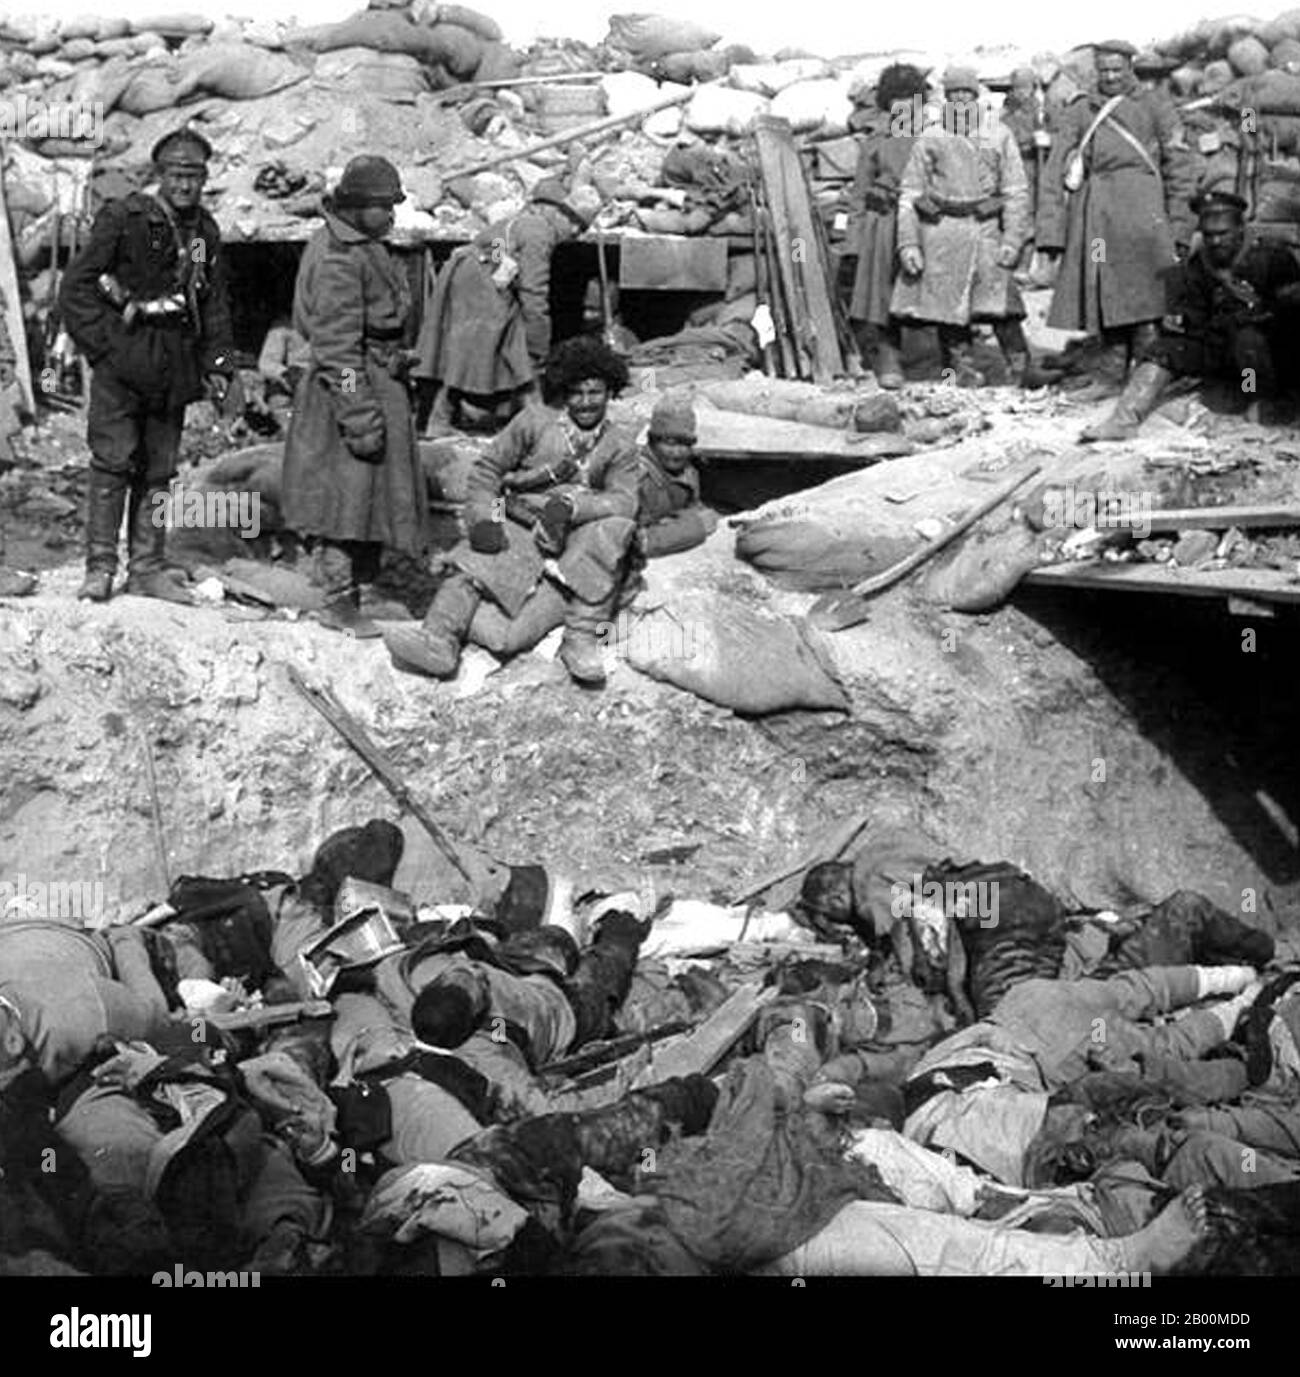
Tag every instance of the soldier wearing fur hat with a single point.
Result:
(146, 302)
(1118, 184)
(352, 478)
(1237, 303)
(487, 332)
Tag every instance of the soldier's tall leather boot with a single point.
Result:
(434, 647)
(580, 650)
(599, 986)
(1107, 376)
(146, 534)
(1015, 348)
(105, 504)
(886, 363)
(1136, 403)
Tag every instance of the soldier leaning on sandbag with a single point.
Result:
(146, 302)
(352, 478)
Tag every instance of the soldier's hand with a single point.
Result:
(911, 260)
(368, 444)
(552, 530)
(1008, 257)
(487, 537)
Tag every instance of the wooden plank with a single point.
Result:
(733, 435)
(12, 304)
(1267, 585)
(782, 244)
(1223, 518)
(699, 1053)
(782, 167)
(672, 263)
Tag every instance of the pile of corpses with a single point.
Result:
(925, 1067)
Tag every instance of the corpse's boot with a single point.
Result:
(1137, 402)
(147, 573)
(434, 647)
(105, 503)
(613, 1139)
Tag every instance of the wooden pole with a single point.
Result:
(13, 306)
(572, 135)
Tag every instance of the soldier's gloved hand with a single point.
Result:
(554, 524)
(367, 441)
(487, 537)
(911, 260)
(1008, 257)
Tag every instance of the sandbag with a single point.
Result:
(628, 92)
(386, 31)
(1186, 80)
(1285, 55)
(387, 76)
(78, 49)
(478, 24)
(720, 110)
(810, 105)
(667, 221)
(814, 557)
(1226, 32)
(751, 661)
(650, 36)
(155, 87)
(769, 78)
(173, 25)
(1273, 93)
(103, 85)
(498, 62)
(455, 48)
(1216, 77)
(985, 570)
(239, 71)
(1248, 56)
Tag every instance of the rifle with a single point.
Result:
(613, 1049)
(329, 707)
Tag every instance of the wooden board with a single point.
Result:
(1263, 585)
(699, 1053)
(13, 306)
(732, 435)
(672, 263)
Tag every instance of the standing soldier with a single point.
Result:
(873, 202)
(1122, 161)
(146, 302)
(962, 225)
(487, 333)
(352, 478)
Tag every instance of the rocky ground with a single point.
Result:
(1042, 733)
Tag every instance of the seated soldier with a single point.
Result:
(553, 496)
(670, 513)
(1240, 302)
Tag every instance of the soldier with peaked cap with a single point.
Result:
(352, 484)
(146, 302)
(1119, 179)
(1239, 303)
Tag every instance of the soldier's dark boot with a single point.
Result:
(1107, 376)
(343, 613)
(1015, 349)
(580, 650)
(613, 1139)
(105, 503)
(958, 355)
(434, 648)
(886, 364)
(147, 573)
(1138, 400)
